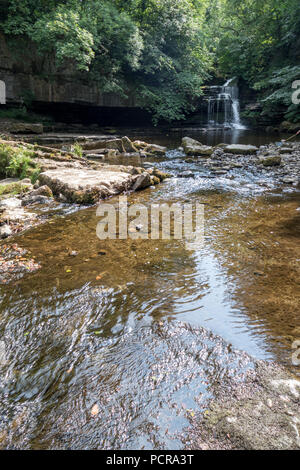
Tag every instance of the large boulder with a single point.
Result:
(240, 149)
(142, 181)
(194, 148)
(86, 186)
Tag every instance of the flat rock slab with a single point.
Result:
(240, 149)
(86, 185)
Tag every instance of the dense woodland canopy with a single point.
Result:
(167, 50)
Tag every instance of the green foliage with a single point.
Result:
(14, 113)
(62, 32)
(164, 50)
(77, 150)
(17, 162)
(259, 42)
(279, 92)
(157, 48)
(6, 153)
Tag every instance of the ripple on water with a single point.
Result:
(146, 383)
(135, 331)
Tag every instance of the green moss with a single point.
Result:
(13, 189)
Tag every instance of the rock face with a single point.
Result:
(240, 149)
(194, 148)
(27, 71)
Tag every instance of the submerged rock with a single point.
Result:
(36, 199)
(283, 150)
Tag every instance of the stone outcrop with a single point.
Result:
(124, 146)
(68, 178)
(88, 186)
(24, 128)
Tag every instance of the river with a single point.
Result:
(142, 329)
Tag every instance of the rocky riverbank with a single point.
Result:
(64, 177)
(90, 172)
(281, 159)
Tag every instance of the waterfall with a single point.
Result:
(223, 105)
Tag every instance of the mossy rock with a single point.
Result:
(271, 161)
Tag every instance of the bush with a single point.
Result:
(17, 163)
(77, 149)
(279, 92)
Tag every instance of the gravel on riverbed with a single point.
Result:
(260, 413)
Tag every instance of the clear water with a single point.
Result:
(147, 329)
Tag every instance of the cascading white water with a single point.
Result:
(224, 102)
